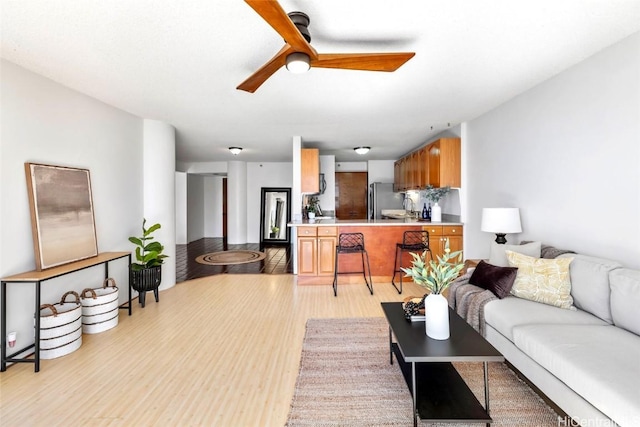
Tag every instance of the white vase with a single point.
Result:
(311, 215)
(436, 314)
(436, 213)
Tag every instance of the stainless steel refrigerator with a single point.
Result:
(381, 196)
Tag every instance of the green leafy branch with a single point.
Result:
(435, 276)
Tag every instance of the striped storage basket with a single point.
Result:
(100, 308)
(60, 327)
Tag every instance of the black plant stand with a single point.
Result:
(146, 280)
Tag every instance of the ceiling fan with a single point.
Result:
(298, 55)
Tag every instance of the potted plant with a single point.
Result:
(436, 276)
(146, 273)
(274, 231)
(434, 194)
(311, 211)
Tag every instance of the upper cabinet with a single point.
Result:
(436, 164)
(444, 163)
(310, 173)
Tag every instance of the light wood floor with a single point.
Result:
(217, 351)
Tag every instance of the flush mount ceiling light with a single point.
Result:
(298, 62)
(362, 150)
(235, 150)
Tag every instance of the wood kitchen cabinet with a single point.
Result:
(444, 163)
(310, 170)
(397, 176)
(438, 235)
(423, 161)
(316, 250)
(437, 164)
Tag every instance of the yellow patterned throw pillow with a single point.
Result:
(542, 280)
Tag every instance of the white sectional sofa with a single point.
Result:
(587, 360)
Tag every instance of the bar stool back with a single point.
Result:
(352, 243)
(412, 241)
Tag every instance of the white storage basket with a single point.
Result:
(60, 327)
(100, 308)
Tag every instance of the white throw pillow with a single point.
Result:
(499, 257)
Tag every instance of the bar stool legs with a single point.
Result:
(414, 241)
(397, 270)
(352, 243)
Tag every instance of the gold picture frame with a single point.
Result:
(62, 219)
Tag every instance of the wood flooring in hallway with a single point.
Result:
(277, 261)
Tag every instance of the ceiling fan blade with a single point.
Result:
(362, 61)
(275, 16)
(256, 79)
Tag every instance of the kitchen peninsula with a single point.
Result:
(317, 239)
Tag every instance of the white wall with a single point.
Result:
(567, 153)
(212, 206)
(351, 167)
(159, 165)
(45, 122)
(181, 208)
(274, 174)
(380, 170)
(195, 207)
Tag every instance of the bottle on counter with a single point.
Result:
(429, 212)
(425, 212)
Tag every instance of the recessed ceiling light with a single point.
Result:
(235, 150)
(362, 150)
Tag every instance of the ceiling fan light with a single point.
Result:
(235, 150)
(362, 150)
(298, 62)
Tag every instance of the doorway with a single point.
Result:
(351, 195)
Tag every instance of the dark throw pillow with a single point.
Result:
(498, 280)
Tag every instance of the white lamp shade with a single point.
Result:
(298, 62)
(501, 220)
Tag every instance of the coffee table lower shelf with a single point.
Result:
(442, 395)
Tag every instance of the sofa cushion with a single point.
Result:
(600, 363)
(625, 299)
(505, 314)
(590, 284)
(498, 280)
(499, 257)
(542, 280)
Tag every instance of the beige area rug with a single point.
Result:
(230, 257)
(346, 380)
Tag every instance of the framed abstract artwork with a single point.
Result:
(62, 218)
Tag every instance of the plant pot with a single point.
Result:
(436, 313)
(145, 280)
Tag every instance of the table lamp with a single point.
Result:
(501, 221)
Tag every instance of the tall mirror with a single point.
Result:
(275, 213)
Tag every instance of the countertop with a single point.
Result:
(367, 222)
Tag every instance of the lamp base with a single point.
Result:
(500, 239)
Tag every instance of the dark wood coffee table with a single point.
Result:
(439, 393)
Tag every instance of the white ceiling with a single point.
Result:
(180, 62)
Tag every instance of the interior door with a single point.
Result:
(351, 195)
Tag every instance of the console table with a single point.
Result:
(37, 277)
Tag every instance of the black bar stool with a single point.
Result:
(412, 241)
(351, 243)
